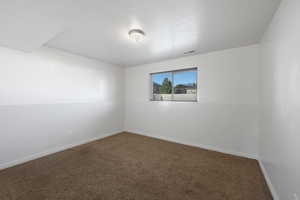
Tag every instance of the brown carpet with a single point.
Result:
(133, 167)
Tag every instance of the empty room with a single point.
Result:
(150, 100)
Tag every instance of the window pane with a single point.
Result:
(162, 86)
(185, 85)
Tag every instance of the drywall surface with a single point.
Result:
(225, 118)
(280, 125)
(50, 99)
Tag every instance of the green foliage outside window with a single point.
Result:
(166, 87)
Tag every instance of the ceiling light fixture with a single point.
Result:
(136, 35)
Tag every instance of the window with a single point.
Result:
(179, 85)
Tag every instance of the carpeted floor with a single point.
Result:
(133, 167)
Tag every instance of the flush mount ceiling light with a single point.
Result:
(136, 35)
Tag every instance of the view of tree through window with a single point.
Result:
(179, 85)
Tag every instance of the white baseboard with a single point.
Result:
(208, 147)
(51, 151)
(267, 177)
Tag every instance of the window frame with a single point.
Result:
(172, 80)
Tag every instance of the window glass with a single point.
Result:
(185, 85)
(179, 85)
(162, 86)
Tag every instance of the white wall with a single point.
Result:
(225, 117)
(280, 134)
(50, 100)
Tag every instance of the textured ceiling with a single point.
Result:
(99, 28)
